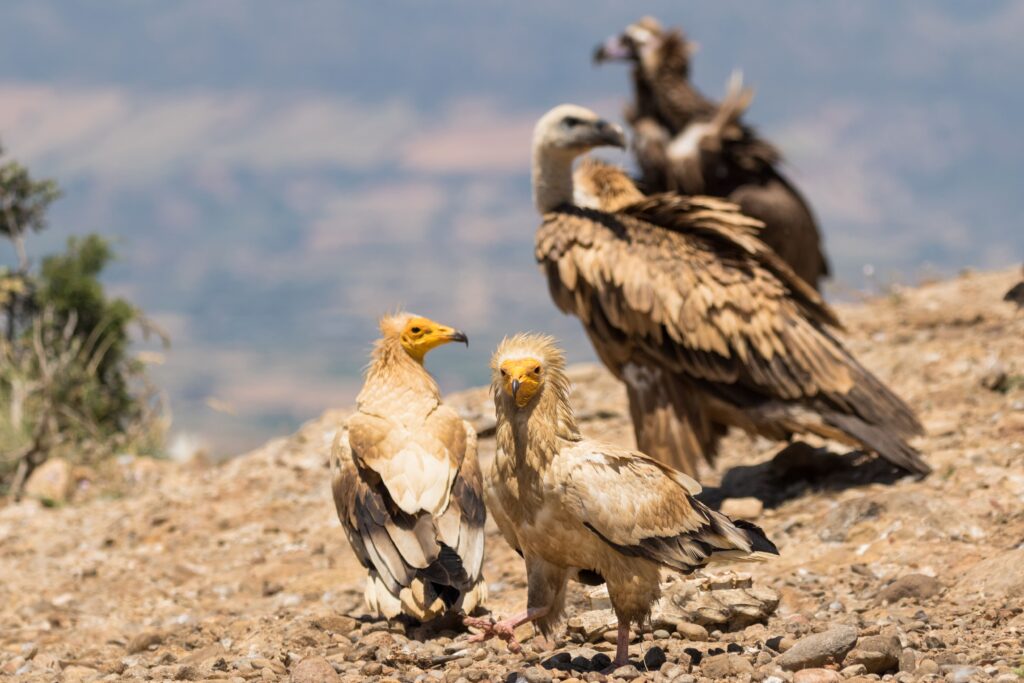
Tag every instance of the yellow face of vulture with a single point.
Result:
(420, 335)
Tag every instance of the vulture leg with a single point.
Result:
(621, 648)
(506, 628)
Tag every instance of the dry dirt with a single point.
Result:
(240, 571)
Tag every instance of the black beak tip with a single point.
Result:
(460, 337)
(515, 388)
(599, 56)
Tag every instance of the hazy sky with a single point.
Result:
(279, 174)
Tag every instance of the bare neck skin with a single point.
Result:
(552, 177)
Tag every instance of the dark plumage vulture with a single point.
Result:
(675, 153)
(703, 322)
(406, 482)
(1016, 294)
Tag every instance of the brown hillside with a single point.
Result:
(240, 571)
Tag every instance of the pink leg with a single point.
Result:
(504, 629)
(621, 648)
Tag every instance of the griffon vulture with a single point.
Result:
(704, 323)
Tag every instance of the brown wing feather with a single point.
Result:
(642, 508)
(446, 549)
(725, 313)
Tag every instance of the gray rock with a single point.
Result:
(964, 674)
(878, 654)
(913, 586)
(819, 649)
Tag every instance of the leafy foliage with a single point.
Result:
(68, 381)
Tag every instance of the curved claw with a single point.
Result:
(494, 629)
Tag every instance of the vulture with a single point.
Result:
(675, 151)
(707, 327)
(576, 508)
(406, 482)
(1016, 294)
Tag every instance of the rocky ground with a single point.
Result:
(240, 571)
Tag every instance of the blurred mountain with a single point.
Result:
(280, 174)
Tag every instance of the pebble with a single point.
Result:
(913, 586)
(817, 676)
(626, 673)
(692, 631)
(725, 666)
(817, 649)
(314, 670)
(143, 641)
(535, 674)
(877, 654)
(926, 667)
(654, 659)
(964, 674)
(661, 634)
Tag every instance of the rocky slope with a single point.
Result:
(240, 572)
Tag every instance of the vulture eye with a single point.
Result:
(504, 373)
(572, 122)
(415, 330)
(536, 370)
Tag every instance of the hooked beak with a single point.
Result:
(515, 388)
(610, 134)
(615, 49)
(459, 336)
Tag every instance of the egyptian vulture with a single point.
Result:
(704, 324)
(407, 484)
(675, 153)
(576, 508)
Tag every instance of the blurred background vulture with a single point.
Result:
(706, 325)
(734, 162)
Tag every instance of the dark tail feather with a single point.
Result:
(883, 441)
(759, 543)
(447, 570)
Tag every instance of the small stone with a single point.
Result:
(50, 482)
(878, 654)
(661, 634)
(692, 631)
(314, 670)
(819, 649)
(964, 674)
(535, 674)
(141, 642)
(654, 659)
(187, 673)
(927, 667)
(817, 676)
(908, 660)
(742, 508)
(913, 586)
(372, 669)
(725, 666)
(78, 674)
(852, 670)
(626, 673)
